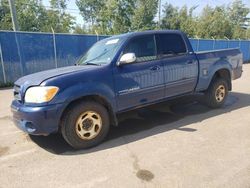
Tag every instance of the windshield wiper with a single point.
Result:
(89, 61)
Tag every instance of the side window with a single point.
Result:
(143, 47)
(171, 44)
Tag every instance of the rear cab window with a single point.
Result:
(170, 45)
(143, 47)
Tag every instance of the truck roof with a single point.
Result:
(138, 33)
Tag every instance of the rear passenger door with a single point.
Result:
(142, 81)
(180, 66)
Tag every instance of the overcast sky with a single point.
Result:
(73, 9)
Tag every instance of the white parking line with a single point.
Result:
(10, 133)
(10, 156)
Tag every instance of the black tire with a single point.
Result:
(69, 123)
(211, 99)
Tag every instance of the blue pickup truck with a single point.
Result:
(119, 74)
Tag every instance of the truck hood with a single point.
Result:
(38, 78)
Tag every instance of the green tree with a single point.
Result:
(188, 23)
(238, 15)
(181, 19)
(81, 29)
(144, 14)
(107, 17)
(61, 23)
(90, 9)
(5, 17)
(238, 12)
(59, 4)
(218, 22)
(30, 14)
(214, 23)
(57, 18)
(118, 16)
(115, 17)
(170, 17)
(33, 16)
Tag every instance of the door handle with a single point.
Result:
(155, 68)
(189, 62)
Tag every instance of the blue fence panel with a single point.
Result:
(234, 44)
(221, 44)
(13, 68)
(1, 70)
(195, 44)
(26, 52)
(245, 49)
(70, 47)
(37, 52)
(205, 45)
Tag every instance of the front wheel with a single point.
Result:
(85, 125)
(217, 93)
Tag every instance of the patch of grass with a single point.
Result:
(8, 84)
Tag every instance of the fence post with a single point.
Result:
(54, 44)
(3, 68)
(227, 41)
(213, 42)
(22, 64)
(248, 59)
(198, 43)
(97, 36)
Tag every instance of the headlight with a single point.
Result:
(40, 94)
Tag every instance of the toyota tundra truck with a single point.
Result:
(118, 74)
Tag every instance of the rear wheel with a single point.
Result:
(85, 125)
(217, 93)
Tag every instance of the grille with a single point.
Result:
(17, 94)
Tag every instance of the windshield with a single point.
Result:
(101, 52)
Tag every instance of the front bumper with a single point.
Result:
(37, 120)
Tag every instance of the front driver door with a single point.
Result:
(140, 82)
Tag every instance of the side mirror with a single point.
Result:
(127, 58)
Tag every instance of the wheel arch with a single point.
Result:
(222, 73)
(96, 98)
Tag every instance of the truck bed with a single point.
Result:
(210, 61)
